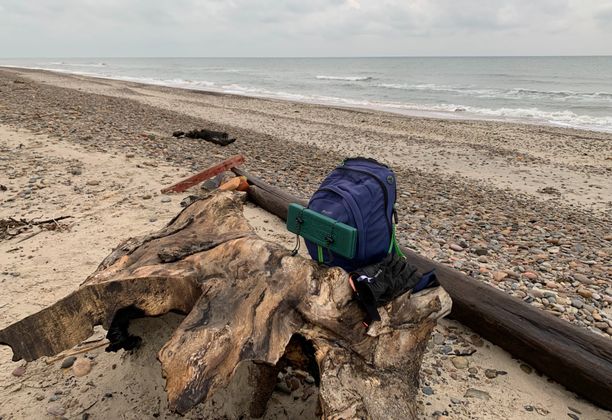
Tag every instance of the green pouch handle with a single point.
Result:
(323, 231)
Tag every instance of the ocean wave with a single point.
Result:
(512, 93)
(436, 88)
(346, 78)
(535, 115)
(181, 83)
(63, 63)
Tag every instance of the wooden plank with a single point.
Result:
(576, 358)
(187, 183)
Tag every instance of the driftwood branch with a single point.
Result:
(573, 356)
(245, 300)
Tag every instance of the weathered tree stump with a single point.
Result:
(245, 298)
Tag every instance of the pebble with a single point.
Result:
(93, 182)
(583, 279)
(476, 341)
(530, 275)
(526, 368)
(282, 387)
(481, 251)
(455, 247)
(292, 383)
(309, 379)
(460, 362)
(476, 393)
(307, 393)
(68, 362)
(577, 303)
(574, 409)
(585, 293)
(491, 373)
(56, 410)
(19, 371)
(427, 390)
(573, 416)
(438, 338)
(499, 275)
(559, 308)
(81, 367)
(446, 350)
(166, 200)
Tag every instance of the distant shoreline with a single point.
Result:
(449, 111)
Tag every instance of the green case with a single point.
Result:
(317, 228)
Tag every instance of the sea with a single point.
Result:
(561, 91)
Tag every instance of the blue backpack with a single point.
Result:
(360, 193)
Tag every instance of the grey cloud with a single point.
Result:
(300, 27)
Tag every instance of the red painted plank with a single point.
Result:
(205, 174)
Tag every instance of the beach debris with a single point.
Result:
(187, 201)
(223, 275)
(238, 183)
(212, 184)
(205, 174)
(11, 227)
(549, 190)
(217, 137)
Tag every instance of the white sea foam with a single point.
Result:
(346, 78)
(513, 93)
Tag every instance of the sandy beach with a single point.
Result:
(525, 208)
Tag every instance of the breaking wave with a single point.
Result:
(346, 78)
(512, 93)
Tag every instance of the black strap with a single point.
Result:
(299, 220)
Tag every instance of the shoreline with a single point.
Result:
(407, 110)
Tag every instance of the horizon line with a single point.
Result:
(318, 57)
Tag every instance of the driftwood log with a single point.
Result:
(576, 358)
(245, 299)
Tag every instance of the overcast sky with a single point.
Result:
(218, 28)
